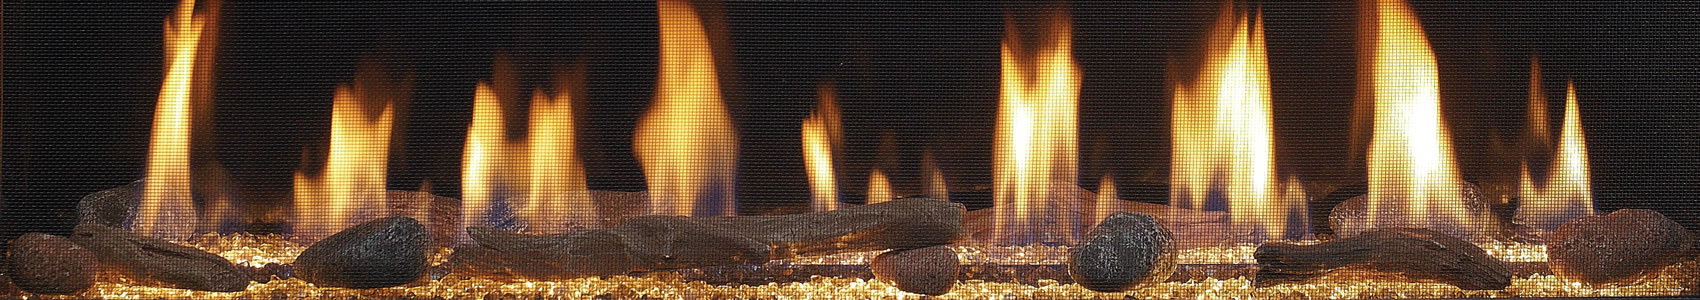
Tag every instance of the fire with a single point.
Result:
(879, 187)
(1036, 138)
(1224, 136)
(1107, 203)
(822, 140)
(934, 177)
(167, 209)
(485, 148)
(558, 198)
(1413, 179)
(1567, 192)
(686, 142)
(351, 188)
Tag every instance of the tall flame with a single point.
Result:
(1223, 132)
(1567, 192)
(485, 148)
(351, 189)
(821, 137)
(558, 198)
(1035, 145)
(167, 209)
(1413, 179)
(686, 142)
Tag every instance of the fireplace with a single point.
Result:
(959, 149)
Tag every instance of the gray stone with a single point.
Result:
(379, 253)
(1621, 248)
(49, 264)
(927, 271)
(1126, 251)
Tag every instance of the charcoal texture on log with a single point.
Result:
(48, 264)
(153, 261)
(1351, 218)
(379, 253)
(926, 271)
(1622, 248)
(664, 242)
(1125, 251)
(1396, 254)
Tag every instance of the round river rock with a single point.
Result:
(49, 264)
(379, 253)
(927, 271)
(1621, 248)
(1126, 251)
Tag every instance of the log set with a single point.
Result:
(664, 242)
(1396, 253)
(156, 262)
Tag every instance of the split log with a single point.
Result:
(156, 262)
(664, 242)
(1397, 254)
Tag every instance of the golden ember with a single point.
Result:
(558, 198)
(1036, 145)
(1567, 192)
(821, 139)
(1224, 134)
(350, 189)
(686, 142)
(167, 209)
(1413, 177)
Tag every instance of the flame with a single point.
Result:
(1036, 137)
(558, 197)
(1413, 180)
(821, 137)
(1223, 132)
(686, 142)
(1538, 136)
(485, 146)
(934, 177)
(1567, 192)
(351, 189)
(1107, 203)
(167, 209)
(879, 187)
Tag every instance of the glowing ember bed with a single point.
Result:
(1235, 214)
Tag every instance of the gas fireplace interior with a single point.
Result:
(679, 149)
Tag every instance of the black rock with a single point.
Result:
(49, 264)
(927, 271)
(379, 253)
(1621, 248)
(1127, 250)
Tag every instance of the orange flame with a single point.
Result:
(1413, 179)
(934, 177)
(558, 199)
(820, 138)
(879, 187)
(485, 148)
(167, 209)
(686, 142)
(1223, 132)
(351, 188)
(1107, 203)
(1036, 138)
(1567, 192)
(1538, 135)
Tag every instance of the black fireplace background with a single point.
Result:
(81, 79)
